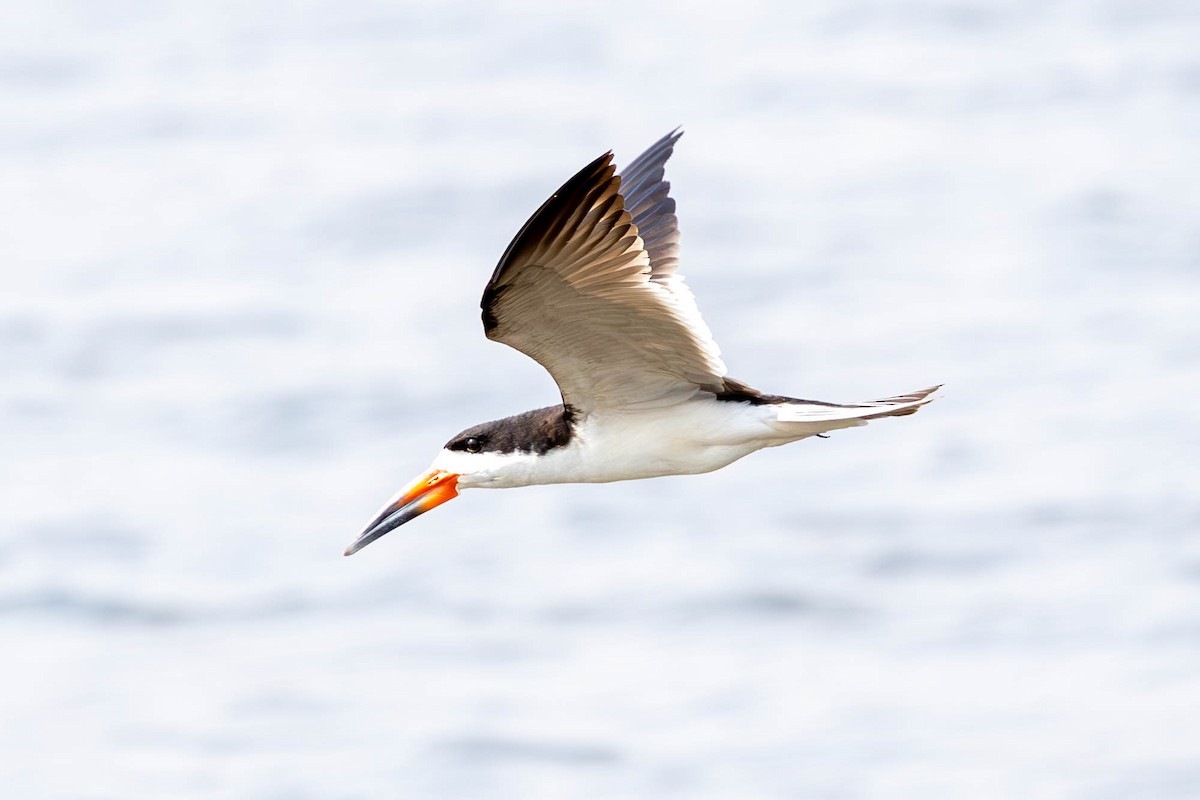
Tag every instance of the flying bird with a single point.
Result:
(590, 289)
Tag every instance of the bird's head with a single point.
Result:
(497, 454)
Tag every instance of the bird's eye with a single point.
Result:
(473, 445)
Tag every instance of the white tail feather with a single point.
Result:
(851, 415)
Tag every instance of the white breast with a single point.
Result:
(693, 437)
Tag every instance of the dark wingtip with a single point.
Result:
(565, 199)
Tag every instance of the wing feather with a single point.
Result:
(579, 291)
(647, 196)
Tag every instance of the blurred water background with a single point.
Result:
(242, 249)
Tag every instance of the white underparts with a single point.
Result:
(700, 435)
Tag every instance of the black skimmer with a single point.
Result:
(588, 288)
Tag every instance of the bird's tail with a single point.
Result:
(813, 417)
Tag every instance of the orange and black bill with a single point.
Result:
(428, 491)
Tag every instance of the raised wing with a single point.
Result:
(578, 291)
(648, 201)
